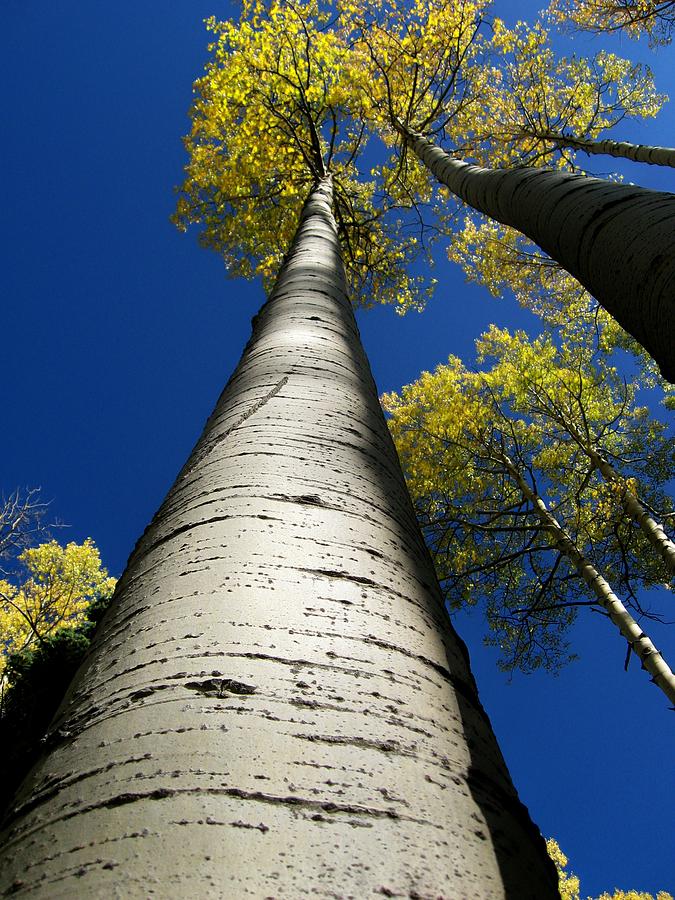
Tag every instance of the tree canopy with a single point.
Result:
(482, 449)
(530, 99)
(292, 92)
(51, 588)
(272, 115)
(653, 18)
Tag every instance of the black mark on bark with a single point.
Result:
(220, 687)
(260, 827)
(382, 746)
(208, 446)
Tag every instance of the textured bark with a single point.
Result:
(616, 239)
(644, 153)
(640, 643)
(276, 704)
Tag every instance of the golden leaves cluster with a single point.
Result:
(408, 59)
(526, 99)
(570, 887)
(56, 586)
(653, 18)
(271, 115)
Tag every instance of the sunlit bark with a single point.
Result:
(276, 704)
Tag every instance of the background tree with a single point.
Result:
(594, 429)
(52, 589)
(480, 450)
(21, 515)
(34, 683)
(50, 599)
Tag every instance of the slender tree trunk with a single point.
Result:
(616, 239)
(276, 704)
(634, 509)
(652, 530)
(639, 642)
(644, 153)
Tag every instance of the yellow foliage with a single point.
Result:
(653, 18)
(529, 98)
(273, 112)
(408, 61)
(505, 261)
(58, 585)
(568, 884)
(542, 416)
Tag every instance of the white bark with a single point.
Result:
(276, 704)
(640, 643)
(616, 239)
(652, 529)
(644, 153)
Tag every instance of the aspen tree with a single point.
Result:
(615, 239)
(276, 703)
(480, 451)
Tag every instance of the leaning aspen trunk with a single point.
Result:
(639, 642)
(616, 239)
(644, 153)
(276, 704)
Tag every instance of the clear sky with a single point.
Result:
(118, 333)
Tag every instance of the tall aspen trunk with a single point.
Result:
(616, 239)
(639, 642)
(644, 153)
(276, 704)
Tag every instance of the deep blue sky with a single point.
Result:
(118, 334)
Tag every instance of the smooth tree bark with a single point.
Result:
(639, 642)
(615, 239)
(644, 153)
(276, 704)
